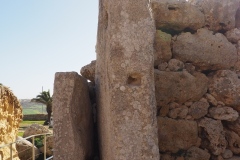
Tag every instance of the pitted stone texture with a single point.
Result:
(225, 86)
(219, 14)
(234, 126)
(234, 158)
(125, 81)
(198, 109)
(175, 135)
(211, 99)
(223, 113)
(179, 86)
(212, 135)
(175, 65)
(205, 50)
(195, 153)
(233, 35)
(162, 47)
(227, 154)
(233, 141)
(88, 71)
(176, 15)
(180, 112)
(10, 117)
(72, 113)
(35, 129)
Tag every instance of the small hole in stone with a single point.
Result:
(172, 8)
(134, 79)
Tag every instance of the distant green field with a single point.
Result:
(32, 108)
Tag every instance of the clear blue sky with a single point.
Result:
(41, 37)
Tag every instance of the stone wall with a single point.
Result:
(196, 53)
(35, 117)
(10, 117)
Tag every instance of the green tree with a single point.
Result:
(45, 98)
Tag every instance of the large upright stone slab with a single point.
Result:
(73, 124)
(125, 81)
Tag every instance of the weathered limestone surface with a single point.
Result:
(88, 71)
(73, 124)
(219, 14)
(24, 148)
(35, 129)
(177, 15)
(234, 126)
(198, 109)
(225, 86)
(195, 153)
(223, 113)
(10, 117)
(233, 35)
(213, 136)
(125, 81)
(233, 141)
(162, 47)
(179, 86)
(175, 135)
(205, 50)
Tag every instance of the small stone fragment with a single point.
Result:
(88, 71)
(212, 135)
(227, 154)
(233, 141)
(175, 65)
(162, 47)
(198, 109)
(233, 35)
(195, 153)
(223, 113)
(211, 99)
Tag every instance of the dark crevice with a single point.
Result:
(134, 79)
(170, 31)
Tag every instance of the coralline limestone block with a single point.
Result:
(177, 15)
(125, 81)
(179, 86)
(175, 135)
(205, 50)
(10, 117)
(72, 113)
(88, 71)
(212, 135)
(219, 14)
(225, 86)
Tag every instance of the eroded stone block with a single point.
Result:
(72, 113)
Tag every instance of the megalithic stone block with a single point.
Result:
(72, 115)
(125, 81)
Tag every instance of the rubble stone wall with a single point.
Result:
(196, 77)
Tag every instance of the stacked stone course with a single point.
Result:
(198, 87)
(196, 52)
